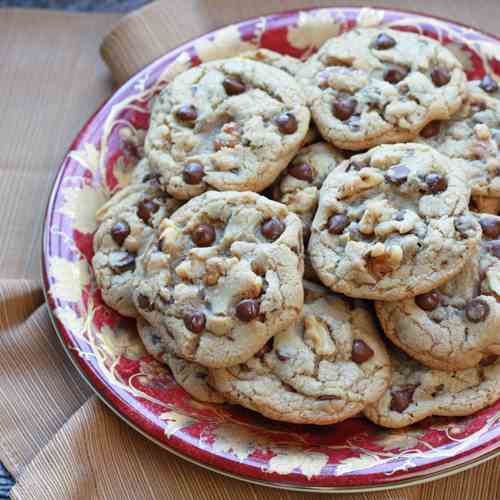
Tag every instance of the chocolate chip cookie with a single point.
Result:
(473, 134)
(223, 276)
(127, 223)
(392, 223)
(325, 368)
(457, 325)
(374, 86)
(192, 377)
(232, 124)
(417, 392)
(299, 185)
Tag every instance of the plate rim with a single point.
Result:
(98, 386)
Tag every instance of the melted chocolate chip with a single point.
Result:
(488, 84)
(247, 310)
(144, 303)
(490, 226)
(306, 234)
(282, 357)
(286, 123)
(488, 360)
(343, 109)
(477, 310)
(436, 183)
(203, 235)
(195, 321)
(193, 173)
(395, 74)
(402, 398)
(120, 231)
(428, 301)
(187, 113)
(146, 208)
(302, 171)
(337, 223)
(267, 347)
(272, 228)
(122, 262)
(397, 175)
(440, 76)
(430, 130)
(361, 351)
(383, 42)
(152, 178)
(233, 85)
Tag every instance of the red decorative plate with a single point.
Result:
(352, 456)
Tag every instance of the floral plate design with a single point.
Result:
(355, 455)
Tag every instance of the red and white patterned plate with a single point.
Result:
(352, 456)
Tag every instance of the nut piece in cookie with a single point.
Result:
(223, 275)
(392, 223)
(127, 223)
(241, 121)
(323, 369)
(417, 392)
(457, 325)
(375, 86)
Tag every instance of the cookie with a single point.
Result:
(392, 223)
(228, 125)
(223, 276)
(298, 187)
(324, 369)
(127, 222)
(372, 86)
(193, 378)
(417, 392)
(458, 324)
(473, 134)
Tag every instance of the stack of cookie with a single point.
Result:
(367, 154)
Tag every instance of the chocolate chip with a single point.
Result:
(430, 130)
(402, 398)
(267, 347)
(247, 310)
(490, 226)
(488, 84)
(187, 113)
(144, 303)
(477, 310)
(343, 109)
(440, 76)
(494, 248)
(122, 262)
(488, 360)
(361, 351)
(203, 235)
(233, 85)
(436, 183)
(282, 357)
(356, 165)
(272, 228)
(146, 208)
(302, 171)
(286, 123)
(397, 175)
(327, 398)
(428, 301)
(152, 178)
(383, 42)
(337, 223)
(395, 74)
(193, 172)
(120, 231)
(195, 321)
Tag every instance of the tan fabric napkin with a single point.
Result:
(56, 438)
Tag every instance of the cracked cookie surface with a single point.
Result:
(373, 86)
(127, 223)
(458, 324)
(323, 369)
(192, 377)
(473, 134)
(222, 277)
(392, 223)
(229, 125)
(417, 392)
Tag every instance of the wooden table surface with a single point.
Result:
(51, 82)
